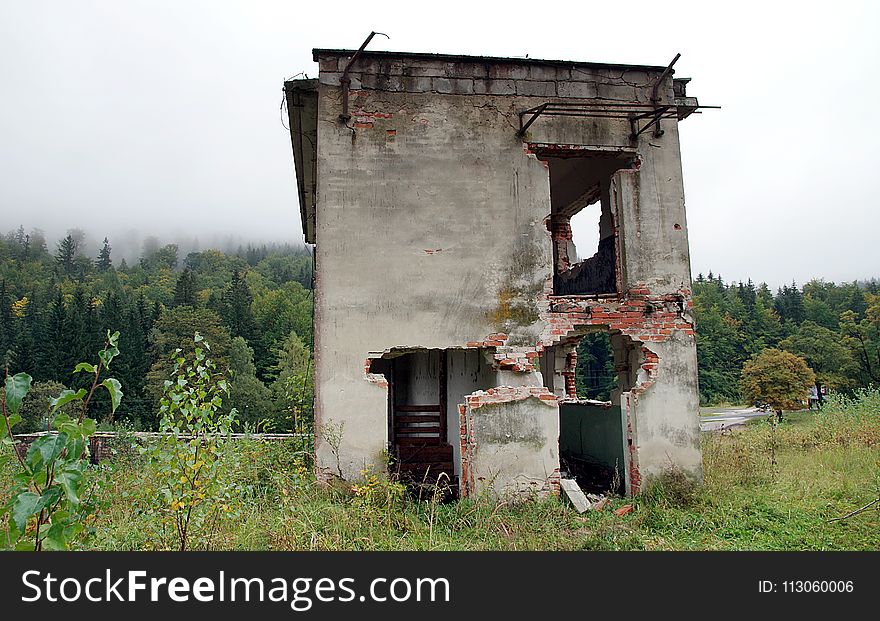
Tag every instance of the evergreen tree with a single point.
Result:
(65, 255)
(104, 263)
(237, 311)
(52, 349)
(765, 295)
(857, 302)
(6, 327)
(594, 374)
(22, 244)
(176, 328)
(20, 236)
(76, 342)
(28, 331)
(789, 304)
(185, 289)
(112, 312)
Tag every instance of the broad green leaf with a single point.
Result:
(107, 355)
(14, 532)
(65, 397)
(55, 541)
(26, 504)
(62, 419)
(40, 477)
(17, 387)
(23, 478)
(75, 529)
(75, 446)
(113, 339)
(66, 424)
(84, 366)
(51, 495)
(89, 426)
(45, 450)
(14, 419)
(115, 389)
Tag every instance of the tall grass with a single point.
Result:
(826, 465)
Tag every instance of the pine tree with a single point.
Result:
(112, 313)
(27, 331)
(52, 345)
(790, 304)
(20, 236)
(6, 325)
(22, 243)
(66, 254)
(185, 289)
(134, 362)
(104, 263)
(76, 341)
(237, 311)
(857, 302)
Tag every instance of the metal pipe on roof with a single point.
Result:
(345, 81)
(662, 77)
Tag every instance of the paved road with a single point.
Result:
(727, 418)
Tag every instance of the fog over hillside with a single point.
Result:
(132, 244)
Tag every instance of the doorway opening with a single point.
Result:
(589, 372)
(425, 388)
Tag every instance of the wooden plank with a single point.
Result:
(424, 418)
(417, 408)
(434, 468)
(439, 452)
(410, 441)
(443, 368)
(392, 392)
(412, 430)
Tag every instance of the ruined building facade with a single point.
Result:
(449, 295)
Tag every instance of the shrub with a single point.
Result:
(47, 508)
(191, 467)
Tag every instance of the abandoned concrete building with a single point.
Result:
(450, 297)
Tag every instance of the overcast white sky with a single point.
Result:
(163, 116)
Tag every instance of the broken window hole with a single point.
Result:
(584, 238)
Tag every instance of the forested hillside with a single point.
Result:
(835, 328)
(252, 304)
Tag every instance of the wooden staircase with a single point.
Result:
(422, 453)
